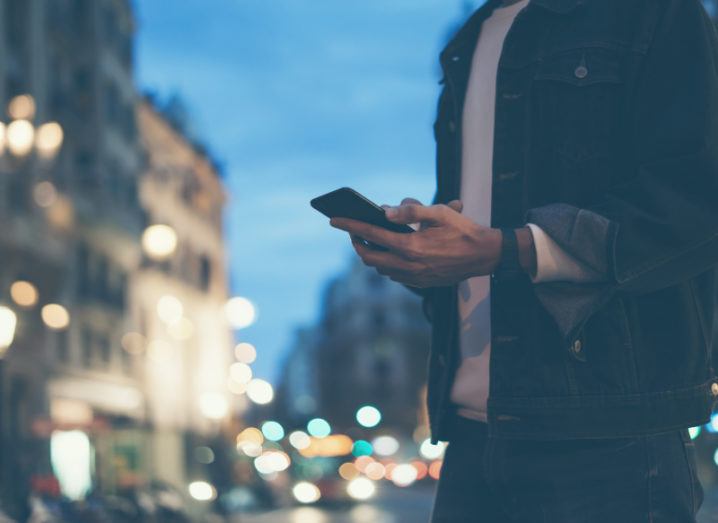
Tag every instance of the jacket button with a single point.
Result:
(581, 72)
(452, 127)
(577, 346)
(442, 361)
(714, 389)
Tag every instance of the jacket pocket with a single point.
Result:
(577, 101)
(601, 359)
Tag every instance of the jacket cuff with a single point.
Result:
(554, 264)
(585, 235)
(590, 239)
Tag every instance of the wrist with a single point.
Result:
(527, 250)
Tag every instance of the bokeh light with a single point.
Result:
(245, 353)
(431, 452)
(240, 372)
(368, 416)
(435, 469)
(260, 392)
(240, 312)
(375, 471)
(204, 455)
(202, 491)
(385, 445)
(362, 462)
(48, 139)
(250, 441)
(403, 475)
(362, 448)
(348, 471)
(361, 489)
(8, 323)
(300, 440)
(319, 428)
(24, 293)
(272, 461)
(213, 405)
(159, 241)
(21, 107)
(20, 137)
(421, 469)
(306, 493)
(273, 431)
(55, 316)
(693, 432)
(44, 194)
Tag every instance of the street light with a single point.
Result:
(8, 322)
(159, 242)
(21, 137)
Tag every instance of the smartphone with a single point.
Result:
(347, 203)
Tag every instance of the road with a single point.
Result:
(391, 506)
(403, 506)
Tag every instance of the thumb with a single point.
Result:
(456, 205)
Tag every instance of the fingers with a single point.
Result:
(405, 201)
(456, 205)
(384, 261)
(378, 235)
(413, 213)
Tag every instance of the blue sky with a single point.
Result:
(297, 98)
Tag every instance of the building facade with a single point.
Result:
(91, 372)
(188, 349)
(369, 347)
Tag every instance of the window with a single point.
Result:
(105, 349)
(87, 349)
(205, 272)
(63, 349)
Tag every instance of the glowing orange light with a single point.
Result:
(421, 469)
(348, 471)
(435, 469)
(362, 461)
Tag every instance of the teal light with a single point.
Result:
(694, 431)
(319, 428)
(273, 431)
(362, 448)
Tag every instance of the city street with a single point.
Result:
(403, 506)
(392, 506)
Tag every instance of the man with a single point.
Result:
(572, 297)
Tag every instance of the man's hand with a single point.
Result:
(447, 248)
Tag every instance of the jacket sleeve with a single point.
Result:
(660, 226)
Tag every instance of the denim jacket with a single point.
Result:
(606, 136)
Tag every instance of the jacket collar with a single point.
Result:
(558, 6)
(467, 34)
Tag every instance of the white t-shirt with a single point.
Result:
(470, 390)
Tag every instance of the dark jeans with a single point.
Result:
(648, 479)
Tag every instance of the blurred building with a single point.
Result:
(93, 382)
(178, 302)
(298, 389)
(370, 347)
